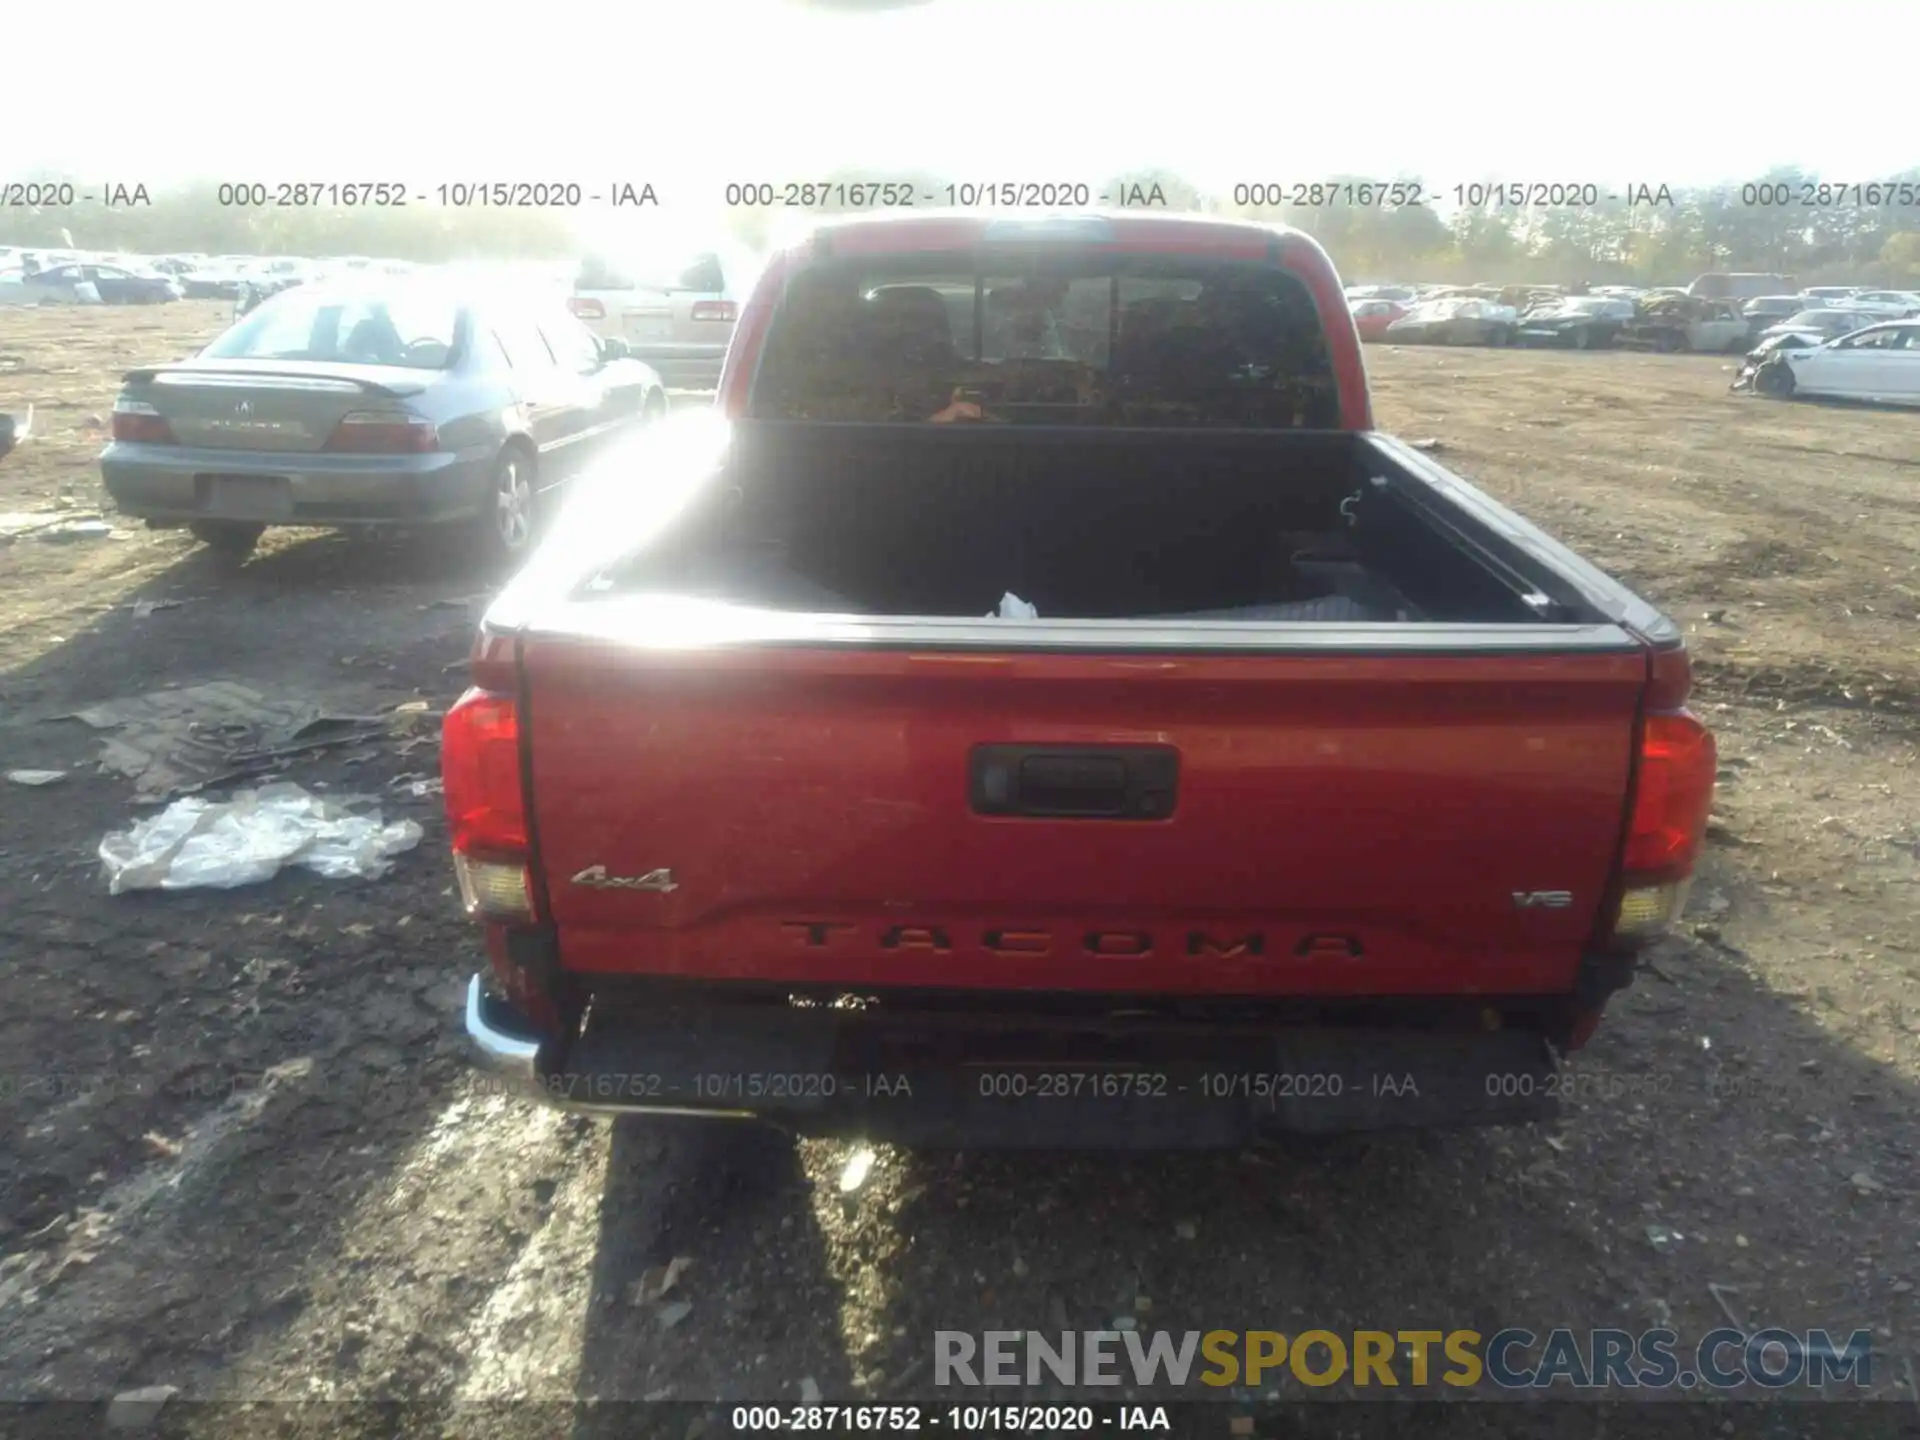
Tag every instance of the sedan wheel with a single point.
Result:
(1774, 377)
(511, 519)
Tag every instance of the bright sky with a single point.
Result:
(691, 95)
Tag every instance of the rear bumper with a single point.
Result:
(171, 482)
(994, 1081)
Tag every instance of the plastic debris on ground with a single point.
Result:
(35, 777)
(76, 530)
(59, 526)
(1012, 607)
(14, 429)
(196, 843)
(858, 1167)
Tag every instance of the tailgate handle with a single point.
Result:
(1092, 782)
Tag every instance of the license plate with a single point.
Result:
(649, 327)
(250, 497)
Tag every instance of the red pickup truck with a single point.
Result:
(1307, 788)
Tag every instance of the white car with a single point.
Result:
(1880, 363)
(1901, 303)
(674, 313)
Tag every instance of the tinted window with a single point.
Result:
(525, 348)
(417, 331)
(487, 351)
(695, 272)
(599, 273)
(703, 275)
(572, 344)
(1872, 340)
(1145, 340)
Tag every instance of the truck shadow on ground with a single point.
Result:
(734, 1200)
(1723, 1154)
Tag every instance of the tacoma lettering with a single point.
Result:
(1227, 944)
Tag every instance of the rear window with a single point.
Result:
(701, 273)
(418, 332)
(1146, 340)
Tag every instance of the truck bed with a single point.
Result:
(1083, 524)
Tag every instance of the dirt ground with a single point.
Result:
(241, 1152)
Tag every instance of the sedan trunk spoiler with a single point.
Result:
(270, 379)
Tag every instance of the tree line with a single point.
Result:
(1787, 221)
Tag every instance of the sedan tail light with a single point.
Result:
(724, 310)
(139, 422)
(586, 309)
(377, 432)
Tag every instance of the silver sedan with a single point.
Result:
(392, 403)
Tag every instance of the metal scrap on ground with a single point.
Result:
(181, 740)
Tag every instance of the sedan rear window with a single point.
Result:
(700, 273)
(1097, 340)
(417, 332)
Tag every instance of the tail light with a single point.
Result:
(723, 310)
(486, 805)
(585, 309)
(1672, 799)
(137, 421)
(375, 432)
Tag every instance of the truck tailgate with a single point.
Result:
(1409, 823)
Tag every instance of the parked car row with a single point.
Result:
(1847, 341)
(1665, 318)
(66, 277)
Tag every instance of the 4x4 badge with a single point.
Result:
(595, 877)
